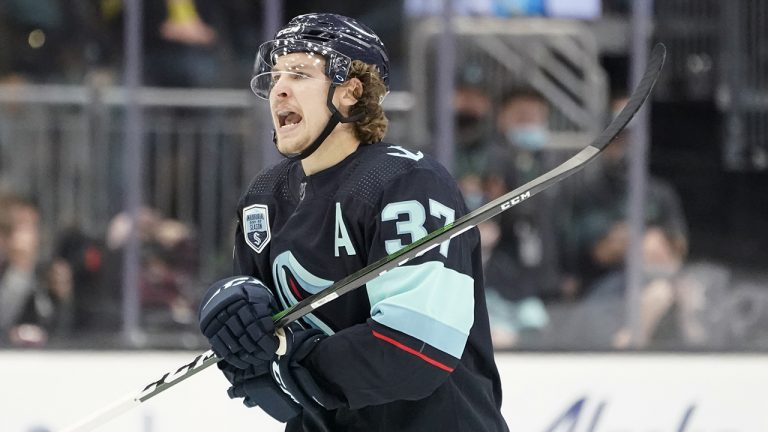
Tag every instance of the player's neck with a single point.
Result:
(333, 150)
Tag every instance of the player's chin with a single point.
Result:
(290, 145)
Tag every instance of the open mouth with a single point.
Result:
(286, 119)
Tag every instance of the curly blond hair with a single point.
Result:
(373, 126)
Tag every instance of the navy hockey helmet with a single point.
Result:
(337, 38)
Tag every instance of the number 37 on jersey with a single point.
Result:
(409, 219)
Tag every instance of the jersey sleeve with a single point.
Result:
(241, 261)
(421, 312)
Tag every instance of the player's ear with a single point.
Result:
(350, 92)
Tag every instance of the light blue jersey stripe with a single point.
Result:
(427, 301)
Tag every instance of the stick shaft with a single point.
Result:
(108, 413)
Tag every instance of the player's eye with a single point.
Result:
(299, 75)
(276, 76)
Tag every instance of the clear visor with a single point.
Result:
(292, 59)
(263, 83)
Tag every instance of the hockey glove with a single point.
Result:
(259, 389)
(236, 317)
(296, 380)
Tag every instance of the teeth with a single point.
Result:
(288, 118)
(282, 116)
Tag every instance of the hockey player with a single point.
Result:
(411, 351)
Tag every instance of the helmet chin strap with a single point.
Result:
(335, 119)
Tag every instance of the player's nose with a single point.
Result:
(281, 89)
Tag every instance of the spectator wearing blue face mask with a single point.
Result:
(522, 129)
(521, 266)
(523, 119)
(528, 137)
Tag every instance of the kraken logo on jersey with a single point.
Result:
(292, 280)
(256, 226)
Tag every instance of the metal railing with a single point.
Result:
(559, 59)
(63, 147)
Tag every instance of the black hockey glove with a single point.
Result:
(259, 389)
(296, 380)
(236, 317)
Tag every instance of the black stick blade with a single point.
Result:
(636, 101)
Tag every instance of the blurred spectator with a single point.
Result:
(180, 46)
(183, 24)
(473, 110)
(519, 267)
(515, 315)
(19, 256)
(522, 125)
(33, 299)
(596, 245)
(78, 269)
(168, 267)
(597, 237)
(527, 231)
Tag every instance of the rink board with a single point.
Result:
(542, 392)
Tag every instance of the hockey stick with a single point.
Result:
(419, 247)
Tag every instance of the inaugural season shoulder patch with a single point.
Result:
(256, 226)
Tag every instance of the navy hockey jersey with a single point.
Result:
(410, 351)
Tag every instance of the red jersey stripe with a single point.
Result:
(295, 290)
(409, 350)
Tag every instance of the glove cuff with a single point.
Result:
(295, 379)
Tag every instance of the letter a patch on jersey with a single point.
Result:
(256, 226)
